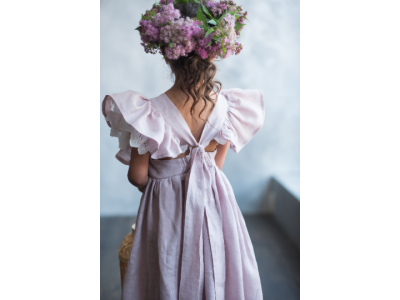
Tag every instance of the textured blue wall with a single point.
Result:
(270, 61)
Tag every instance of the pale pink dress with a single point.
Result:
(191, 241)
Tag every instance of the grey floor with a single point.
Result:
(277, 258)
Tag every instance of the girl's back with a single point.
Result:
(191, 241)
(195, 122)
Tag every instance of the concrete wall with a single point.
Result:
(284, 206)
(269, 61)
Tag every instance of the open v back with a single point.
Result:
(195, 119)
(155, 125)
(179, 126)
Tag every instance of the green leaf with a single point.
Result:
(207, 12)
(137, 28)
(197, 1)
(238, 26)
(203, 18)
(221, 17)
(171, 44)
(233, 12)
(223, 48)
(212, 22)
(181, 1)
(209, 31)
(209, 43)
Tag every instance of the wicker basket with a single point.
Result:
(124, 252)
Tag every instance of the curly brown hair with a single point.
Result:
(194, 76)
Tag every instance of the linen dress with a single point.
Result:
(191, 241)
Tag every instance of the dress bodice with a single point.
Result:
(174, 118)
(155, 125)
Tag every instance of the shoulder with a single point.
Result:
(237, 97)
(134, 120)
(244, 116)
(132, 105)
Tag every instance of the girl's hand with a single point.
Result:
(221, 154)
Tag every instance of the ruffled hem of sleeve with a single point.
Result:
(137, 124)
(244, 117)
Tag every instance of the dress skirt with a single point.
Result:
(219, 265)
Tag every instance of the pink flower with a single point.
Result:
(202, 53)
(164, 2)
(164, 26)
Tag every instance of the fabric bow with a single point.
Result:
(200, 203)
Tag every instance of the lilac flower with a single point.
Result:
(203, 53)
(183, 34)
(163, 27)
(165, 2)
(238, 47)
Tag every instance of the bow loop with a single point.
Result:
(199, 150)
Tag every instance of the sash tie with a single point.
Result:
(200, 202)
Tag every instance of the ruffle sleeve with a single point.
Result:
(244, 118)
(137, 124)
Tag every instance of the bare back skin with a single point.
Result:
(195, 123)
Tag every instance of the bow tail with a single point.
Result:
(216, 238)
(202, 209)
(191, 280)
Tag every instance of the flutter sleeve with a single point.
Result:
(244, 117)
(137, 124)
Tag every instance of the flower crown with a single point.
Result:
(177, 27)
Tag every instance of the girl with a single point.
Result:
(191, 241)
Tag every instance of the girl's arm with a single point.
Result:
(139, 169)
(221, 154)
